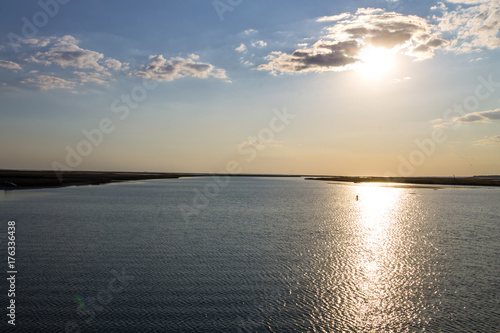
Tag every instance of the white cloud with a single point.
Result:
(246, 62)
(474, 27)
(162, 69)
(38, 42)
(439, 6)
(369, 11)
(46, 82)
(333, 18)
(259, 44)
(9, 64)
(242, 48)
(249, 32)
(468, 2)
(116, 65)
(408, 34)
(66, 53)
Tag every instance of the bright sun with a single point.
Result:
(376, 61)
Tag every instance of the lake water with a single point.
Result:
(254, 255)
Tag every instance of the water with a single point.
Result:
(255, 255)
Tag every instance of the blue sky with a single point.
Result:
(369, 87)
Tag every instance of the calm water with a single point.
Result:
(255, 255)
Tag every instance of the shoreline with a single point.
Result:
(27, 179)
(486, 181)
(24, 180)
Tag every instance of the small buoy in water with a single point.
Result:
(357, 198)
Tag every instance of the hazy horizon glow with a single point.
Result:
(383, 88)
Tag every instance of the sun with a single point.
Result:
(376, 62)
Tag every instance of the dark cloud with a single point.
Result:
(483, 116)
(323, 56)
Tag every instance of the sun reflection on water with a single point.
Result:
(377, 233)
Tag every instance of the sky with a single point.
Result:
(395, 88)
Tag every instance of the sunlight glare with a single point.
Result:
(376, 62)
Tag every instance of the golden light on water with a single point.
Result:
(376, 203)
(378, 232)
(381, 274)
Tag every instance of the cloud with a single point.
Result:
(333, 18)
(242, 48)
(492, 140)
(259, 44)
(408, 33)
(474, 27)
(482, 116)
(246, 63)
(439, 6)
(369, 11)
(162, 69)
(338, 50)
(32, 42)
(470, 118)
(9, 64)
(249, 32)
(66, 53)
(322, 56)
(116, 65)
(96, 77)
(38, 42)
(46, 82)
(468, 2)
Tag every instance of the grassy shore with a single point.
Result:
(27, 179)
(20, 179)
(458, 181)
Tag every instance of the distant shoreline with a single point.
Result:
(28, 179)
(453, 181)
